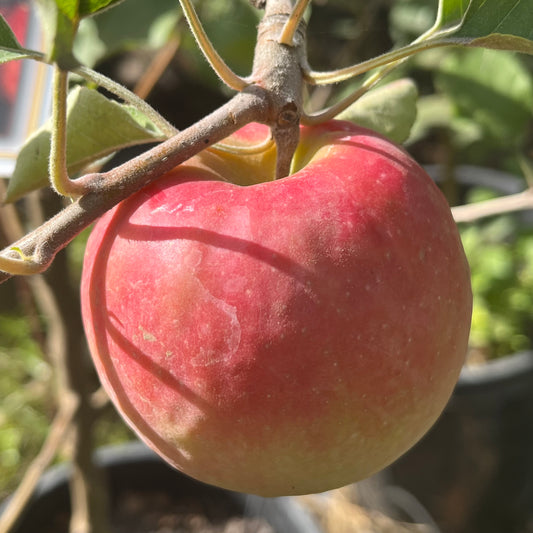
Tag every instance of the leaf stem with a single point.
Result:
(223, 71)
(336, 76)
(288, 31)
(59, 179)
(331, 112)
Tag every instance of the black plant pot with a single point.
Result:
(473, 471)
(139, 480)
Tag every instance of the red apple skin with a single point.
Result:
(287, 337)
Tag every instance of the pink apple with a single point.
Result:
(284, 337)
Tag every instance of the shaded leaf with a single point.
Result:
(389, 110)
(110, 33)
(96, 127)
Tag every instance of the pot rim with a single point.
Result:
(284, 514)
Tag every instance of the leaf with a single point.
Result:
(60, 25)
(10, 48)
(492, 88)
(10, 55)
(96, 127)
(389, 110)
(91, 7)
(498, 24)
(7, 37)
(110, 33)
(61, 19)
(450, 13)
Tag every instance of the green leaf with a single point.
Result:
(90, 7)
(61, 19)
(7, 37)
(10, 48)
(10, 55)
(498, 24)
(492, 88)
(389, 110)
(107, 34)
(60, 25)
(450, 13)
(96, 127)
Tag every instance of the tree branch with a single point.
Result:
(497, 206)
(109, 188)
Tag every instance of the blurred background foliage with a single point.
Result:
(475, 108)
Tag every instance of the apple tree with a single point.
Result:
(279, 279)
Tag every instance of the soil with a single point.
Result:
(153, 511)
(158, 512)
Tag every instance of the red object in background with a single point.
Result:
(16, 15)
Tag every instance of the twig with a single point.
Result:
(497, 206)
(109, 188)
(21, 496)
(157, 66)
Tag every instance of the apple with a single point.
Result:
(286, 336)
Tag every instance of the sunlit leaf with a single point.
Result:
(501, 24)
(498, 24)
(61, 19)
(451, 13)
(96, 127)
(10, 55)
(7, 37)
(60, 25)
(10, 48)
(90, 7)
